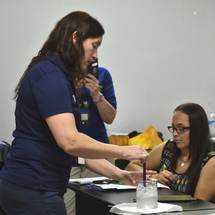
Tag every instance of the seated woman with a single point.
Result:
(186, 163)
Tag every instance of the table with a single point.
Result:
(90, 201)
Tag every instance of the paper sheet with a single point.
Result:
(113, 186)
(86, 180)
(131, 209)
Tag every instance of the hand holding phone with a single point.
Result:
(93, 68)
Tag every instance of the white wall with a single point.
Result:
(160, 54)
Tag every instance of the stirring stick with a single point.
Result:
(144, 174)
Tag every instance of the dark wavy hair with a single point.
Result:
(60, 42)
(200, 142)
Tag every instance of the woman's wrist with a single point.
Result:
(100, 100)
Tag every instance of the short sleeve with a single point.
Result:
(53, 94)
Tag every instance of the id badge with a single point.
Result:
(85, 112)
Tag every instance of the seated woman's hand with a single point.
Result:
(165, 177)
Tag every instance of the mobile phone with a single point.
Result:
(93, 68)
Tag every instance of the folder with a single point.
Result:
(110, 187)
(172, 198)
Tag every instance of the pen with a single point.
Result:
(144, 174)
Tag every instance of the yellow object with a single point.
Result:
(148, 139)
(120, 140)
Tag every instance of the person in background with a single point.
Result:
(46, 138)
(98, 106)
(186, 163)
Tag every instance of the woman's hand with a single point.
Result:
(92, 84)
(165, 177)
(135, 152)
(129, 178)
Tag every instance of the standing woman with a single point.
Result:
(46, 137)
(186, 163)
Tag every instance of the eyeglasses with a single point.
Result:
(179, 129)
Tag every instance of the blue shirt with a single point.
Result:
(36, 161)
(96, 127)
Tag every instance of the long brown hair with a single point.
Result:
(60, 42)
(200, 141)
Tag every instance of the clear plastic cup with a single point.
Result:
(147, 193)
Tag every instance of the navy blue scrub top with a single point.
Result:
(36, 161)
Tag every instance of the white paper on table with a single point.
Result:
(159, 185)
(92, 179)
(130, 208)
(113, 186)
(86, 180)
